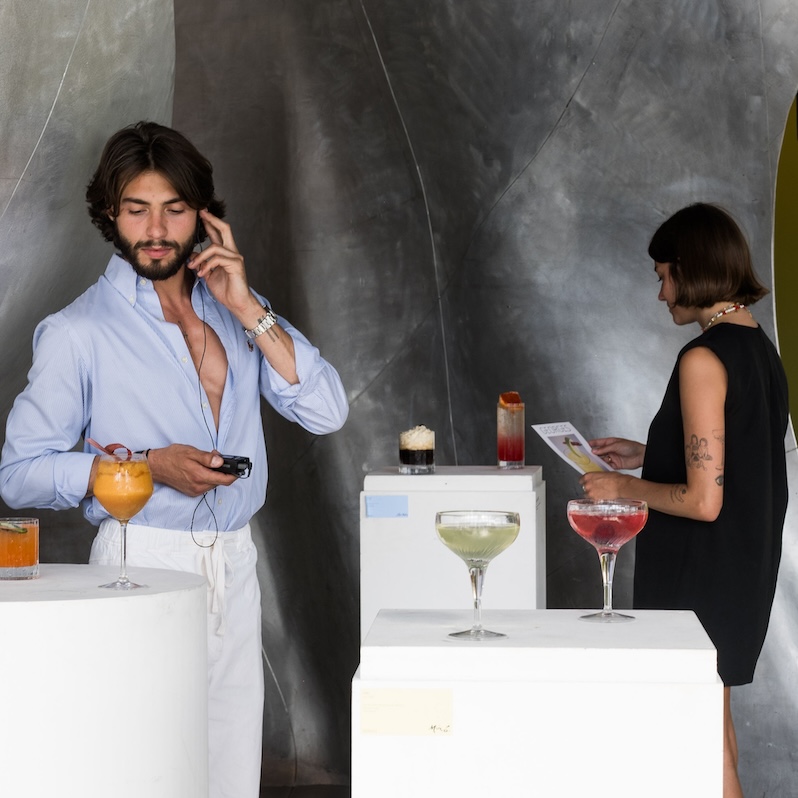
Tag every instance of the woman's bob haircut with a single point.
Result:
(149, 147)
(709, 258)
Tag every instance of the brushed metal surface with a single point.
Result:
(71, 73)
(455, 199)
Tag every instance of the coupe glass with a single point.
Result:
(607, 525)
(477, 536)
(123, 486)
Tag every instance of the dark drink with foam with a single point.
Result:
(417, 451)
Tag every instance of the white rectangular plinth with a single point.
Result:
(559, 708)
(403, 564)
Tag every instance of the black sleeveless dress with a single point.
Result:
(725, 570)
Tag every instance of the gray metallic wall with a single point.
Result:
(450, 199)
(71, 73)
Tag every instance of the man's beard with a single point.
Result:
(161, 269)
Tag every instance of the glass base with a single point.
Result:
(607, 617)
(123, 583)
(20, 572)
(476, 635)
(417, 469)
(511, 464)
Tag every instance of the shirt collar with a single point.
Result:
(122, 277)
(138, 289)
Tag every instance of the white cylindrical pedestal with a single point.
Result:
(103, 693)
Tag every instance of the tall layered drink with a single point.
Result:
(510, 431)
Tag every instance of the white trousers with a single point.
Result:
(235, 666)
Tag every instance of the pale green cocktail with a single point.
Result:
(477, 536)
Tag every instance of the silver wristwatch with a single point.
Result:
(264, 323)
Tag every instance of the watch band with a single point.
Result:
(266, 322)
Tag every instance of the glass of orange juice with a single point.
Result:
(19, 548)
(123, 486)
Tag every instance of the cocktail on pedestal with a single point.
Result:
(510, 430)
(607, 525)
(476, 537)
(19, 548)
(123, 486)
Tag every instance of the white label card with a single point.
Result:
(414, 712)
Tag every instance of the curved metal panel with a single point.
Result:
(455, 199)
(72, 72)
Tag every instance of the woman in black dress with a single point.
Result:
(714, 472)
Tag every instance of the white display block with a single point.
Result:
(559, 707)
(104, 692)
(403, 564)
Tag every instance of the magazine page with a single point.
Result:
(567, 441)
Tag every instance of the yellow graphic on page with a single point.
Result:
(580, 458)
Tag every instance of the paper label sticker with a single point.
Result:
(386, 507)
(406, 712)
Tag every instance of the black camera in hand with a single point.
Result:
(235, 465)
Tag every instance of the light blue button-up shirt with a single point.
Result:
(109, 367)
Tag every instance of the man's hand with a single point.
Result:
(187, 469)
(221, 265)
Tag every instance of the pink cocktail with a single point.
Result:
(607, 525)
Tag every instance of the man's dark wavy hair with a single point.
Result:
(149, 147)
(709, 257)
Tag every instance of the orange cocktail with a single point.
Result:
(123, 487)
(19, 548)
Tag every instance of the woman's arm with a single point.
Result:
(702, 390)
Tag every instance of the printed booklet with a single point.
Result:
(566, 440)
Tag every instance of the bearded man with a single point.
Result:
(169, 352)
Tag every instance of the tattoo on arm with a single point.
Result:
(720, 436)
(697, 452)
(719, 480)
(677, 493)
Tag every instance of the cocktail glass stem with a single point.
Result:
(123, 578)
(607, 560)
(477, 577)
(122, 581)
(607, 615)
(476, 632)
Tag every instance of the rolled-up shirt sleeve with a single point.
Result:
(318, 401)
(46, 422)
